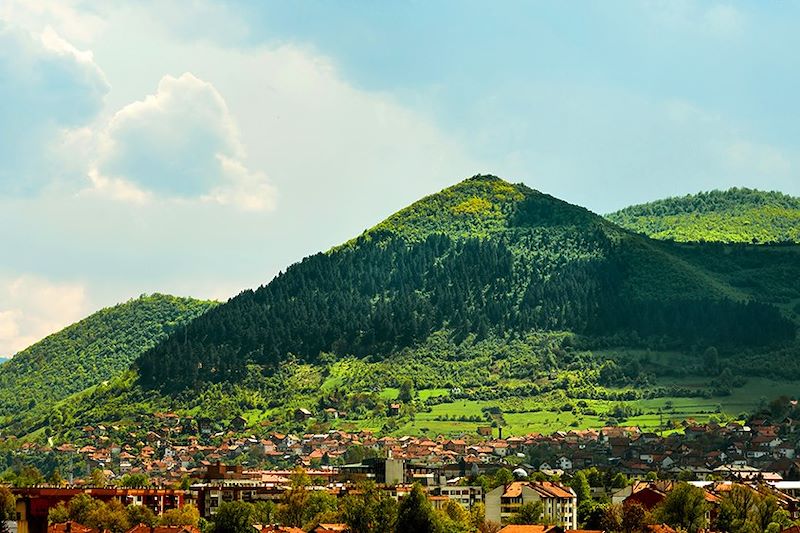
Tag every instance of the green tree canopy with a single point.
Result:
(188, 515)
(8, 508)
(415, 514)
(581, 487)
(369, 510)
(233, 517)
(684, 507)
(528, 513)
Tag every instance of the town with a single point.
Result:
(567, 479)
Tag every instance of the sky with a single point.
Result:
(198, 147)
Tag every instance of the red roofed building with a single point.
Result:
(648, 497)
(70, 527)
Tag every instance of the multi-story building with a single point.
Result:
(560, 502)
(467, 496)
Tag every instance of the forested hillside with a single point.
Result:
(484, 257)
(89, 352)
(499, 304)
(735, 215)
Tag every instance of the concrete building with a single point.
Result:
(381, 471)
(467, 496)
(559, 501)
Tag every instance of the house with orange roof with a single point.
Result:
(515, 528)
(70, 527)
(559, 501)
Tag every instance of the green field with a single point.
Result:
(543, 414)
(539, 415)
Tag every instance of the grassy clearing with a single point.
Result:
(540, 415)
(390, 393)
(431, 393)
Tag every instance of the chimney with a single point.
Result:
(499, 432)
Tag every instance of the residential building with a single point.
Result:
(559, 501)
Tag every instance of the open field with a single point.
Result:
(540, 416)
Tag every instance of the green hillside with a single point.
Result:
(735, 215)
(488, 293)
(89, 352)
(483, 257)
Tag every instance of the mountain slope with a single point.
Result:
(89, 352)
(735, 215)
(483, 257)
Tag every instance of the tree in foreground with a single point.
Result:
(115, 517)
(320, 506)
(8, 508)
(591, 513)
(630, 517)
(370, 510)
(685, 508)
(109, 516)
(477, 515)
(528, 513)
(744, 509)
(292, 509)
(139, 514)
(58, 514)
(188, 515)
(488, 526)
(415, 514)
(234, 517)
(454, 518)
(263, 512)
(634, 518)
(581, 487)
(80, 506)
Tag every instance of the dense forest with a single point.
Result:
(483, 257)
(485, 292)
(90, 351)
(735, 215)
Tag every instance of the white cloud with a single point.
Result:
(341, 157)
(33, 307)
(66, 16)
(180, 142)
(48, 87)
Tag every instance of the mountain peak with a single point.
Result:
(477, 207)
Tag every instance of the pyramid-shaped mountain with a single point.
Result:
(483, 258)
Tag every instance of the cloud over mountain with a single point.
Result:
(32, 307)
(180, 142)
(48, 88)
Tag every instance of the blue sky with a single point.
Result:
(198, 147)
